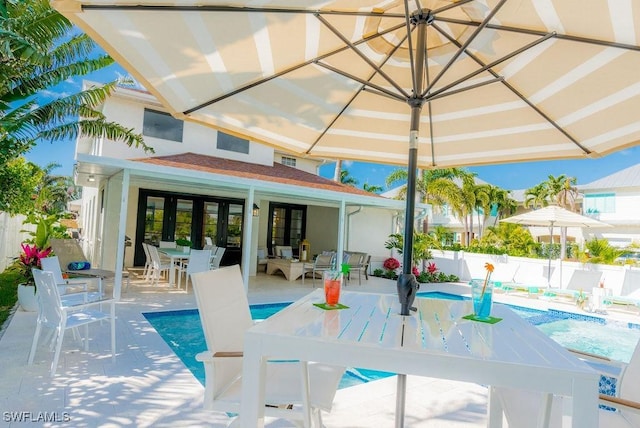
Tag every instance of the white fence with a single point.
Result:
(523, 270)
(10, 238)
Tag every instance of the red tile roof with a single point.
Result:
(276, 173)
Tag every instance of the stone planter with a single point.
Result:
(27, 297)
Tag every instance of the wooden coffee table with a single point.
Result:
(291, 270)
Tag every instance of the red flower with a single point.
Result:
(30, 258)
(391, 264)
(415, 271)
(431, 268)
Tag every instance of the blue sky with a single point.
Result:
(508, 176)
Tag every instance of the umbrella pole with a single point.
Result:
(407, 283)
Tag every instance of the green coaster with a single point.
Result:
(490, 320)
(330, 308)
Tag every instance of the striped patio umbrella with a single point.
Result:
(419, 83)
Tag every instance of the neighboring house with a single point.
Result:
(615, 199)
(204, 183)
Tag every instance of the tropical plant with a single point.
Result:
(29, 259)
(18, 182)
(390, 266)
(41, 49)
(183, 242)
(47, 226)
(422, 244)
(600, 251)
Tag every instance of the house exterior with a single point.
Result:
(615, 200)
(201, 183)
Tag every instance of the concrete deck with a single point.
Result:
(149, 386)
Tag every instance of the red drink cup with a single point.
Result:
(332, 285)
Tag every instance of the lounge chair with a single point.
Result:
(524, 409)
(69, 251)
(225, 316)
(581, 281)
(54, 314)
(629, 295)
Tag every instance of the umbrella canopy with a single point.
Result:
(494, 81)
(551, 216)
(554, 215)
(432, 84)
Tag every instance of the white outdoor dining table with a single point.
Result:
(175, 255)
(435, 341)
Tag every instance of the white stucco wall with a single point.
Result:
(368, 230)
(322, 228)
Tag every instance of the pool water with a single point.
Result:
(183, 333)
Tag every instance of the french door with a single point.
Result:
(165, 216)
(287, 226)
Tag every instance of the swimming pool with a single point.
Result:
(183, 333)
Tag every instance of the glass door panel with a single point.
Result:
(278, 227)
(184, 219)
(234, 226)
(295, 231)
(154, 217)
(210, 222)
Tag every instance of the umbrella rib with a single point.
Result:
(362, 81)
(441, 94)
(523, 98)
(486, 66)
(463, 48)
(363, 88)
(289, 70)
(205, 8)
(451, 6)
(411, 59)
(541, 33)
(363, 56)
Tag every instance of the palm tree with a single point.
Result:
(40, 49)
(347, 179)
(435, 187)
(53, 192)
(562, 190)
(372, 188)
(537, 196)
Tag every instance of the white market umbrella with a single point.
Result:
(429, 84)
(551, 216)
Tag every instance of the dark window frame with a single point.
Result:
(158, 124)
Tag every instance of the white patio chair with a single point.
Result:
(158, 266)
(199, 261)
(147, 262)
(216, 257)
(524, 409)
(69, 250)
(52, 264)
(225, 316)
(167, 244)
(52, 313)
